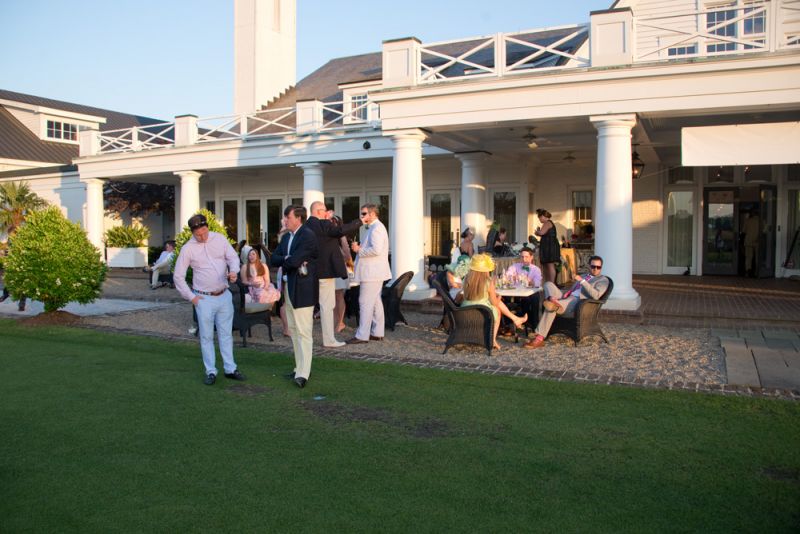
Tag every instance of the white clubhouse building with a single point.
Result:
(704, 94)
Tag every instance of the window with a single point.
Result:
(358, 108)
(680, 225)
(793, 235)
(686, 50)
(62, 130)
(383, 201)
(793, 172)
(582, 213)
(751, 26)
(211, 206)
(716, 23)
(230, 218)
(274, 218)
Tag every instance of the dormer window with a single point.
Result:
(358, 107)
(65, 131)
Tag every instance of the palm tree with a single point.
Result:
(16, 201)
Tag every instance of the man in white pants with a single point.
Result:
(163, 264)
(330, 265)
(371, 270)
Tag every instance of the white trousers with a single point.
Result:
(301, 324)
(327, 302)
(370, 320)
(216, 311)
(157, 272)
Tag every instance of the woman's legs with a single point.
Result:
(338, 311)
(549, 272)
(517, 320)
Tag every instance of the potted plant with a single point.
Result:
(126, 246)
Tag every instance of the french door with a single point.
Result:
(443, 229)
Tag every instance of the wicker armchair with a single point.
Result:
(468, 324)
(584, 322)
(391, 297)
(248, 314)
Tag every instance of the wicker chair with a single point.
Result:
(472, 324)
(248, 314)
(391, 297)
(584, 322)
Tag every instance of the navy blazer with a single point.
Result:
(331, 262)
(303, 291)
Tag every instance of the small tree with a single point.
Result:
(16, 202)
(51, 260)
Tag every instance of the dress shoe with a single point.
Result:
(355, 341)
(375, 338)
(210, 379)
(300, 381)
(535, 343)
(289, 376)
(235, 375)
(335, 344)
(551, 306)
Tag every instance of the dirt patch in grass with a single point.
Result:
(55, 318)
(248, 390)
(336, 413)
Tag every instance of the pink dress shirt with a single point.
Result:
(210, 262)
(534, 274)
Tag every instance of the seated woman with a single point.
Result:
(466, 247)
(256, 277)
(455, 277)
(479, 289)
(499, 247)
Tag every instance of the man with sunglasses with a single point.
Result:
(557, 302)
(371, 270)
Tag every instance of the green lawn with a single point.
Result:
(105, 433)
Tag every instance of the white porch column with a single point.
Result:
(95, 210)
(190, 195)
(313, 183)
(407, 217)
(614, 219)
(177, 212)
(473, 194)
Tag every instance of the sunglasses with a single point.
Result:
(595, 267)
(364, 213)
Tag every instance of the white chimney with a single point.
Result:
(265, 58)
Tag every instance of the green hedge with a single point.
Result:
(127, 236)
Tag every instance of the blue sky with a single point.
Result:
(163, 58)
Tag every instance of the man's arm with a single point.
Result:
(179, 276)
(163, 260)
(304, 249)
(327, 228)
(232, 259)
(595, 290)
(378, 243)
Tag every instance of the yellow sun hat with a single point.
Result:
(482, 263)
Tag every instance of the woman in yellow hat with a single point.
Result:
(479, 289)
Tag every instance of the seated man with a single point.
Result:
(163, 264)
(592, 285)
(527, 269)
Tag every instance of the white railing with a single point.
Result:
(501, 54)
(265, 123)
(719, 31)
(137, 138)
(343, 114)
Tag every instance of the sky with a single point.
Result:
(162, 58)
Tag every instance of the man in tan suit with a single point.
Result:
(371, 270)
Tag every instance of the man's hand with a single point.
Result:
(577, 277)
(196, 299)
(232, 276)
(355, 247)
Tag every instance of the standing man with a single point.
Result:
(297, 256)
(214, 263)
(329, 266)
(162, 265)
(371, 270)
(590, 286)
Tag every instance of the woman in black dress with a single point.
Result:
(549, 249)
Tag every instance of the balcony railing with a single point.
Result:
(137, 138)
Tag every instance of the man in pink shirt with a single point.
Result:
(214, 263)
(527, 269)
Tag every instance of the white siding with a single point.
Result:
(649, 39)
(647, 220)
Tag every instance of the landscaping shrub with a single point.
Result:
(51, 260)
(127, 236)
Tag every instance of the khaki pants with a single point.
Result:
(301, 324)
(327, 301)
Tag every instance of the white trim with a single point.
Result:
(27, 164)
(53, 111)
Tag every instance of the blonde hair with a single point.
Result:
(475, 284)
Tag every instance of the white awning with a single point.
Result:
(741, 144)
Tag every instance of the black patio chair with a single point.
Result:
(391, 297)
(441, 279)
(248, 314)
(584, 321)
(473, 324)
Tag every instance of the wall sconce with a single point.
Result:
(637, 165)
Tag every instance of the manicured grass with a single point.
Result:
(105, 433)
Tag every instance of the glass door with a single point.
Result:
(767, 208)
(273, 226)
(720, 236)
(443, 228)
(252, 221)
(680, 231)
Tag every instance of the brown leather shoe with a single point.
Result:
(535, 343)
(355, 341)
(375, 338)
(551, 306)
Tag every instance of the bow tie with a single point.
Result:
(526, 268)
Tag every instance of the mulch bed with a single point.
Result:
(56, 318)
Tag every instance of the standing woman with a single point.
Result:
(549, 249)
(466, 246)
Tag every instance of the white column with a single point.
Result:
(313, 183)
(190, 195)
(473, 194)
(407, 217)
(95, 210)
(177, 215)
(614, 215)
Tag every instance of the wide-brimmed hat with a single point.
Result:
(482, 263)
(460, 267)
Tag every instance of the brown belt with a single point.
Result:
(209, 293)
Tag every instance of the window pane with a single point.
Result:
(211, 206)
(505, 213)
(297, 201)
(252, 221)
(680, 220)
(350, 210)
(581, 212)
(758, 173)
(793, 235)
(441, 236)
(230, 210)
(681, 175)
(274, 216)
